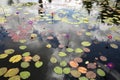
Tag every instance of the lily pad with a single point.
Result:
(36, 58)
(78, 50)
(22, 47)
(69, 50)
(12, 72)
(73, 64)
(86, 43)
(63, 63)
(22, 41)
(9, 51)
(53, 60)
(25, 74)
(88, 33)
(58, 70)
(82, 70)
(100, 72)
(15, 78)
(62, 54)
(25, 64)
(3, 56)
(26, 54)
(3, 70)
(75, 73)
(83, 78)
(114, 46)
(15, 58)
(38, 64)
(66, 70)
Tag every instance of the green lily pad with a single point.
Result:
(100, 72)
(12, 72)
(26, 54)
(25, 64)
(66, 70)
(3, 70)
(9, 51)
(58, 70)
(22, 47)
(62, 54)
(86, 43)
(22, 41)
(36, 58)
(69, 50)
(38, 64)
(83, 78)
(78, 50)
(25, 74)
(63, 63)
(88, 33)
(17, 77)
(75, 73)
(53, 60)
(3, 56)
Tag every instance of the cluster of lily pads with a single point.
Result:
(24, 59)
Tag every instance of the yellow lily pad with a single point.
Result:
(85, 43)
(114, 46)
(78, 50)
(3, 70)
(22, 41)
(9, 51)
(12, 72)
(3, 56)
(22, 47)
(15, 58)
(17, 77)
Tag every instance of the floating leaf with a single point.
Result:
(69, 50)
(114, 46)
(86, 43)
(2, 56)
(100, 72)
(90, 75)
(73, 64)
(9, 51)
(82, 70)
(23, 47)
(78, 50)
(91, 65)
(83, 78)
(15, 58)
(88, 33)
(103, 58)
(86, 49)
(58, 70)
(3, 70)
(66, 70)
(25, 74)
(12, 72)
(48, 46)
(27, 58)
(36, 58)
(53, 60)
(78, 60)
(62, 54)
(63, 63)
(15, 78)
(26, 54)
(38, 64)
(22, 41)
(25, 64)
(75, 73)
